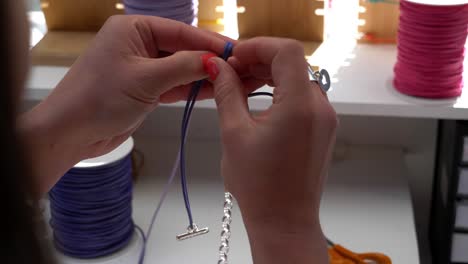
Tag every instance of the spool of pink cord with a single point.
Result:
(431, 49)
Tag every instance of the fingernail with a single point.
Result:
(209, 66)
(212, 69)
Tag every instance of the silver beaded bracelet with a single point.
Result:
(226, 229)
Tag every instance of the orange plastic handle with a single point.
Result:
(377, 257)
(361, 258)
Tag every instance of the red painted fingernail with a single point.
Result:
(209, 66)
(212, 69)
(205, 57)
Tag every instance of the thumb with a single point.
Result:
(180, 68)
(228, 93)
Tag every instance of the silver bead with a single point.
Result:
(223, 256)
(227, 213)
(225, 234)
(224, 244)
(226, 226)
(227, 219)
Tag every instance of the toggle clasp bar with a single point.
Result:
(192, 231)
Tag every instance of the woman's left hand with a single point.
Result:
(134, 63)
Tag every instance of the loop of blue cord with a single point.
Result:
(185, 121)
(91, 210)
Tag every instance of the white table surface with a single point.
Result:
(366, 206)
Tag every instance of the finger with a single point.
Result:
(229, 96)
(284, 56)
(217, 35)
(181, 68)
(181, 93)
(252, 84)
(173, 36)
(259, 71)
(241, 69)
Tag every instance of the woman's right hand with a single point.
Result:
(275, 162)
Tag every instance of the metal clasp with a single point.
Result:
(192, 231)
(317, 76)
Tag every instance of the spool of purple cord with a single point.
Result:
(181, 10)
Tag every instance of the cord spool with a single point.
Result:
(181, 10)
(91, 211)
(431, 49)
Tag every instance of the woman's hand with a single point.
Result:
(275, 162)
(134, 63)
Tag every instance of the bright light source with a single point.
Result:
(45, 5)
(345, 64)
(319, 11)
(220, 9)
(119, 6)
(38, 27)
(231, 28)
(36, 36)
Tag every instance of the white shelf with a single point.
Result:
(362, 85)
(366, 205)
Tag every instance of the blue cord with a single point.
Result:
(260, 94)
(91, 210)
(394, 2)
(185, 122)
(180, 160)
